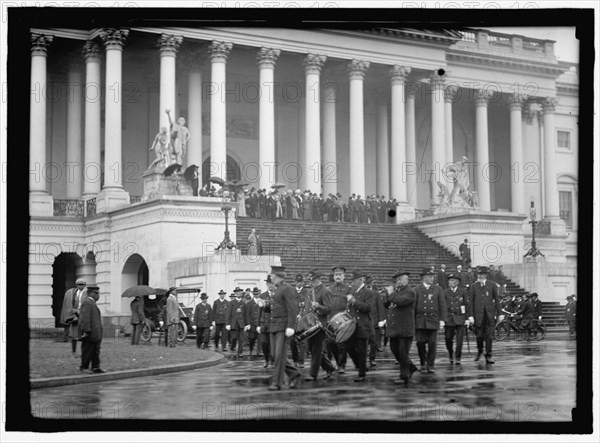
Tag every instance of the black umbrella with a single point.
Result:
(189, 172)
(138, 291)
(217, 180)
(171, 168)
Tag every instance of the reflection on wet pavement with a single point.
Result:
(529, 382)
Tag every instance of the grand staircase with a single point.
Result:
(376, 249)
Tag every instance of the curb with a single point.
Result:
(51, 382)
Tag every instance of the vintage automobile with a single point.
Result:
(155, 312)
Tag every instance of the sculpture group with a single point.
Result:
(460, 198)
(170, 144)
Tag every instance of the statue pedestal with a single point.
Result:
(156, 185)
(404, 212)
(111, 198)
(41, 204)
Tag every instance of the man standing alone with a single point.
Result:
(90, 329)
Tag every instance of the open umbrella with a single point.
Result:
(217, 180)
(189, 172)
(277, 185)
(138, 291)
(171, 168)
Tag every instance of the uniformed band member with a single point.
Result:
(284, 309)
(359, 306)
(319, 301)
(219, 319)
(299, 347)
(378, 316)
(264, 321)
(483, 309)
(430, 313)
(202, 322)
(456, 303)
(339, 290)
(400, 323)
(236, 321)
(251, 315)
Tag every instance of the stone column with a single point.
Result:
(92, 170)
(383, 147)
(330, 164)
(551, 208)
(194, 152)
(74, 139)
(517, 188)
(112, 194)
(312, 162)
(40, 203)
(450, 94)
(219, 51)
(398, 152)
(267, 57)
(356, 73)
(482, 184)
(412, 168)
(438, 138)
(168, 45)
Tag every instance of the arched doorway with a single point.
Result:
(233, 170)
(135, 272)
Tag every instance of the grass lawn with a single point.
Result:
(49, 358)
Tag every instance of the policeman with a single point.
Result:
(299, 347)
(264, 320)
(202, 323)
(456, 303)
(219, 319)
(236, 322)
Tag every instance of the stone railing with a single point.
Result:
(68, 208)
(90, 207)
(515, 44)
(543, 228)
(420, 213)
(135, 199)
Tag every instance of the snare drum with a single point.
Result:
(340, 327)
(307, 326)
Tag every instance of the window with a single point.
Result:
(563, 140)
(565, 202)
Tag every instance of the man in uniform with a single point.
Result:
(378, 316)
(251, 315)
(319, 302)
(571, 314)
(90, 330)
(339, 291)
(400, 328)
(526, 313)
(219, 320)
(284, 309)
(456, 303)
(465, 253)
(483, 310)
(202, 322)
(137, 319)
(264, 320)
(298, 347)
(536, 305)
(69, 314)
(359, 306)
(236, 321)
(430, 313)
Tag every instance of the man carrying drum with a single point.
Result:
(319, 302)
(339, 290)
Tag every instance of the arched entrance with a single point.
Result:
(135, 272)
(233, 170)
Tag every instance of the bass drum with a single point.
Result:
(340, 327)
(308, 326)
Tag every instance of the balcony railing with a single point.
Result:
(515, 44)
(135, 199)
(68, 208)
(90, 207)
(420, 213)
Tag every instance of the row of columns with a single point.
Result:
(401, 150)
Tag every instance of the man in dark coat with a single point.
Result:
(251, 320)
(536, 305)
(400, 328)
(284, 309)
(465, 253)
(69, 315)
(202, 322)
(483, 310)
(236, 320)
(359, 307)
(526, 313)
(378, 314)
(137, 319)
(339, 291)
(319, 302)
(442, 277)
(90, 330)
(430, 313)
(219, 319)
(264, 321)
(299, 347)
(571, 314)
(456, 303)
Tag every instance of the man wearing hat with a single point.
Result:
(90, 330)
(430, 313)
(251, 319)
(400, 328)
(526, 313)
(299, 347)
(465, 253)
(319, 302)
(339, 291)
(137, 319)
(536, 305)
(219, 319)
(378, 316)
(456, 303)
(284, 309)
(571, 314)
(69, 314)
(236, 321)
(264, 321)
(483, 309)
(359, 307)
(202, 322)
(172, 310)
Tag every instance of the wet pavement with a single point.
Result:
(531, 381)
